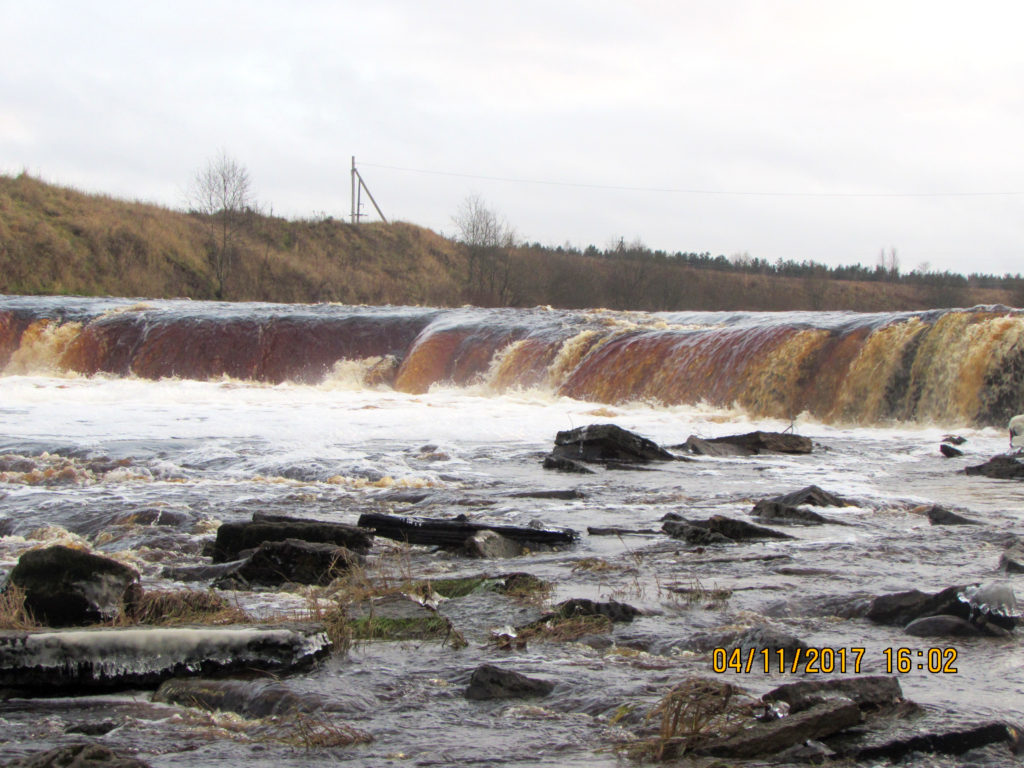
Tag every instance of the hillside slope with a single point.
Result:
(56, 240)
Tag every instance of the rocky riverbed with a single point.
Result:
(691, 578)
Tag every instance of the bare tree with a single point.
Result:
(222, 193)
(488, 239)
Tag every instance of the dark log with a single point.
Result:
(455, 533)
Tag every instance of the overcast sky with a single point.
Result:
(803, 129)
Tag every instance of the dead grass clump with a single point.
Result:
(187, 606)
(560, 629)
(313, 732)
(692, 714)
(13, 613)
(696, 594)
(526, 588)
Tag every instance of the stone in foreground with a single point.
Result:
(607, 443)
(55, 663)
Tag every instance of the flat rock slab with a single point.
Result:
(456, 533)
(870, 692)
(607, 443)
(54, 663)
(749, 444)
(954, 741)
(235, 538)
(818, 721)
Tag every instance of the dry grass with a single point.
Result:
(691, 714)
(186, 606)
(57, 240)
(13, 613)
(315, 732)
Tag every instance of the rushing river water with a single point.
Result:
(109, 409)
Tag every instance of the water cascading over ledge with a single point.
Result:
(947, 367)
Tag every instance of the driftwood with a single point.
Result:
(455, 533)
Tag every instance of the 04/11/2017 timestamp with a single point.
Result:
(830, 660)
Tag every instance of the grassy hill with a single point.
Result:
(56, 240)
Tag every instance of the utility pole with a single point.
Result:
(358, 185)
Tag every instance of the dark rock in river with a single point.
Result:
(567, 494)
(720, 526)
(56, 663)
(249, 698)
(279, 562)
(949, 451)
(776, 512)
(750, 444)
(579, 606)
(872, 692)
(1012, 560)
(989, 607)
(941, 516)
(1002, 467)
(951, 742)
(811, 495)
(942, 626)
(763, 739)
(235, 538)
(78, 756)
(67, 587)
(562, 464)
(607, 442)
(456, 532)
(693, 534)
(491, 682)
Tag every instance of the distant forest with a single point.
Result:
(57, 240)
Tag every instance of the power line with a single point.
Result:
(683, 190)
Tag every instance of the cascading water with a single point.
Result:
(136, 428)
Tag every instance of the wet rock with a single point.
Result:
(1001, 467)
(455, 533)
(78, 756)
(166, 517)
(871, 693)
(54, 663)
(1012, 560)
(607, 442)
(235, 538)
(614, 610)
(984, 605)
(490, 546)
(491, 682)
(568, 494)
(249, 698)
(763, 739)
(280, 562)
(694, 535)
(941, 516)
(901, 608)
(954, 439)
(753, 639)
(942, 626)
(200, 572)
(67, 587)
(949, 451)
(739, 530)
(749, 444)
(562, 464)
(812, 495)
(955, 741)
(777, 512)
(101, 728)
